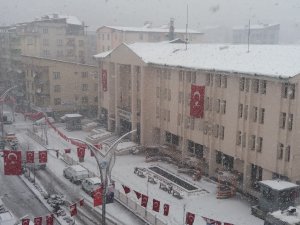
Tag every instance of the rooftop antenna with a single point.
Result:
(186, 26)
(249, 37)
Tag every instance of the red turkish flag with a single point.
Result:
(138, 194)
(43, 158)
(38, 220)
(190, 218)
(197, 101)
(104, 80)
(67, 150)
(144, 200)
(49, 219)
(80, 152)
(25, 221)
(155, 205)
(97, 195)
(81, 202)
(30, 156)
(211, 221)
(166, 209)
(73, 210)
(12, 162)
(126, 189)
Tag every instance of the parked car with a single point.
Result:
(89, 185)
(76, 173)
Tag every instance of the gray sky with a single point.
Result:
(202, 13)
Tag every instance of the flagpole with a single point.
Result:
(184, 213)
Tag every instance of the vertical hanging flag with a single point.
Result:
(38, 220)
(166, 209)
(144, 200)
(80, 152)
(12, 162)
(73, 210)
(29, 156)
(190, 218)
(49, 219)
(197, 101)
(67, 150)
(104, 80)
(97, 195)
(43, 157)
(211, 221)
(138, 194)
(155, 205)
(25, 221)
(126, 189)
(81, 202)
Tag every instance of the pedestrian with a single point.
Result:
(57, 154)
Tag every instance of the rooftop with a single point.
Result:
(268, 60)
(287, 217)
(257, 26)
(278, 184)
(73, 20)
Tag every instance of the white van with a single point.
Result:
(89, 185)
(76, 173)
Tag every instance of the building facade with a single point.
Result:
(249, 120)
(61, 87)
(109, 37)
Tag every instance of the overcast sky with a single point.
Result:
(202, 13)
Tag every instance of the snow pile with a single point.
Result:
(287, 217)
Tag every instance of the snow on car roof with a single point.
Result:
(95, 180)
(72, 115)
(78, 168)
(278, 184)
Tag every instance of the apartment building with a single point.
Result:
(60, 87)
(109, 37)
(221, 105)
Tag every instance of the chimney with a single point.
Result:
(171, 30)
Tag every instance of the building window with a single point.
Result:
(280, 151)
(240, 110)
(45, 30)
(187, 122)
(57, 88)
(59, 42)
(218, 80)
(284, 90)
(96, 99)
(221, 132)
(57, 101)
(179, 119)
(84, 87)
(192, 125)
(254, 113)
(263, 87)
(180, 75)
(282, 120)
(252, 142)
(242, 83)
(84, 74)
(223, 106)
(217, 105)
(246, 112)
(188, 76)
(84, 100)
(157, 112)
(259, 144)
(224, 81)
(255, 85)
(244, 140)
(247, 84)
(292, 91)
(56, 75)
(238, 138)
(290, 122)
(194, 77)
(207, 79)
(218, 157)
(261, 115)
(216, 130)
(287, 153)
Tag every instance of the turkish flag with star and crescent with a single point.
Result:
(12, 162)
(97, 195)
(144, 200)
(126, 189)
(81, 202)
(38, 220)
(197, 101)
(73, 210)
(155, 205)
(190, 218)
(30, 156)
(138, 194)
(80, 152)
(166, 209)
(25, 221)
(43, 157)
(49, 219)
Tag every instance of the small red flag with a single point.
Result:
(49, 219)
(97, 195)
(138, 194)
(190, 218)
(30, 156)
(67, 150)
(25, 221)
(80, 152)
(12, 162)
(81, 202)
(126, 189)
(38, 220)
(144, 200)
(155, 205)
(166, 209)
(73, 210)
(43, 157)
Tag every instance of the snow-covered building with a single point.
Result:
(248, 102)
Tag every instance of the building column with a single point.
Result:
(143, 103)
(117, 97)
(134, 99)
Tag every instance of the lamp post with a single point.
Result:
(105, 162)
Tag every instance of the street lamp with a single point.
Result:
(105, 164)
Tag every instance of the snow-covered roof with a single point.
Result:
(256, 26)
(279, 184)
(269, 60)
(78, 168)
(152, 29)
(73, 20)
(287, 217)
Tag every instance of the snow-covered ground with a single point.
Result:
(235, 210)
